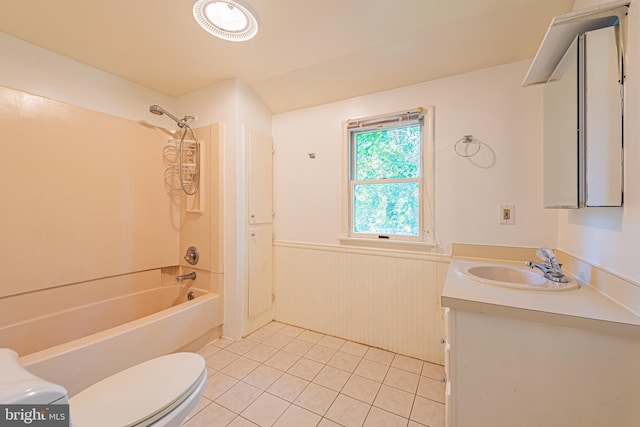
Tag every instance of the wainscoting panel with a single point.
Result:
(386, 299)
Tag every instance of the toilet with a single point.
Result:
(160, 392)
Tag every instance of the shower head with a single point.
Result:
(158, 110)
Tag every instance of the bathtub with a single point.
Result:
(82, 344)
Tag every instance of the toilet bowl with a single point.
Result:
(160, 392)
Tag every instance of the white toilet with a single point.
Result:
(160, 392)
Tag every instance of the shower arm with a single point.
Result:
(182, 123)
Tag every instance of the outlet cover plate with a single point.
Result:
(507, 214)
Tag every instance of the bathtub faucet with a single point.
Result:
(191, 276)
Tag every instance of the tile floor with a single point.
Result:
(282, 375)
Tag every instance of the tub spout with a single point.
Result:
(190, 276)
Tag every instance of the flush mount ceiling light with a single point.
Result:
(233, 20)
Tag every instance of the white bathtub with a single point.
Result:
(78, 346)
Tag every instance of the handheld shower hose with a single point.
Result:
(184, 125)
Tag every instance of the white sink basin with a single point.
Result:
(512, 277)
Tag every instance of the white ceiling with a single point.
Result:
(306, 52)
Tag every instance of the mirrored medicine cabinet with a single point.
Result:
(583, 103)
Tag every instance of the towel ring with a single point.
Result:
(467, 139)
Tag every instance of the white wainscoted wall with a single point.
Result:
(387, 299)
(381, 297)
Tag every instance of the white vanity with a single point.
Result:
(517, 357)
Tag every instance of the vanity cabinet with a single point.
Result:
(504, 371)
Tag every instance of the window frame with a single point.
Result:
(425, 181)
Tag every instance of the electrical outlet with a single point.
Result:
(507, 214)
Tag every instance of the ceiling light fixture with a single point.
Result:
(233, 20)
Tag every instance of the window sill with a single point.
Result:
(387, 244)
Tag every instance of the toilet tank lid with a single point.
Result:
(19, 386)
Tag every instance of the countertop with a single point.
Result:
(582, 308)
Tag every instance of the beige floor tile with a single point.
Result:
(261, 353)
(311, 336)
(380, 356)
(208, 350)
(273, 326)
(347, 411)
(332, 342)
(221, 359)
(354, 348)
(431, 389)
(372, 370)
(218, 384)
(265, 410)
(295, 416)
(202, 403)
(282, 360)
(393, 400)
(328, 423)
(292, 331)
(278, 340)
(238, 397)
(404, 380)
(212, 416)
(407, 363)
(240, 368)
(260, 335)
(428, 412)
(381, 418)
(320, 354)
(432, 370)
(305, 368)
(316, 398)
(361, 388)
(222, 342)
(241, 347)
(288, 387)
(263, 377)
(298, 347)
(286, 376)
(241, 422)
(332, 378)
(345, 361)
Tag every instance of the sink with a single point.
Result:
(512, 277)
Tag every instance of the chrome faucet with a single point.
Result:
(191, 276)
(551, 268)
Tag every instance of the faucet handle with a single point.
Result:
(192, 256)
(545, 254)
(548, 257)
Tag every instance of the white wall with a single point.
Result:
(218, 103)
(489, 104)
(38, 71)
(234, 104)
(376, 296)
(252, 116)
(610, 237)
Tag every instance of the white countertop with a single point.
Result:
(582, 308)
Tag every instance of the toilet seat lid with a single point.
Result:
(138, 394)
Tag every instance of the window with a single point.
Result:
(389, 160)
